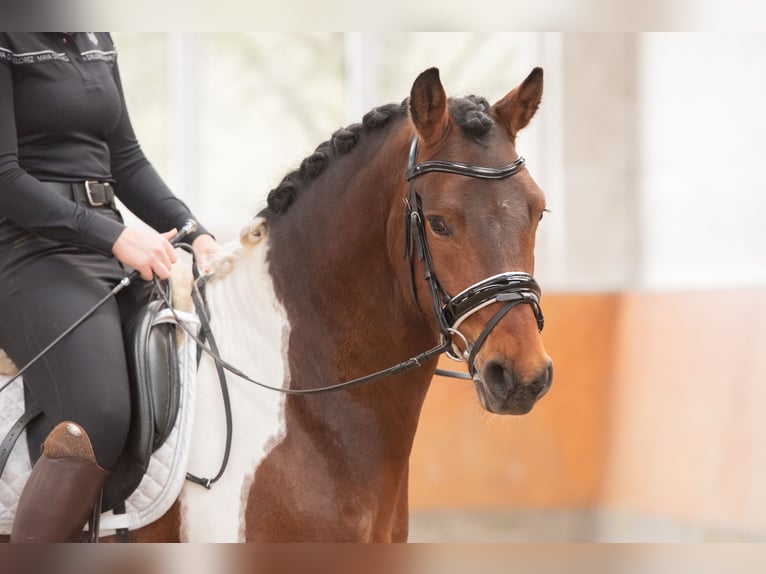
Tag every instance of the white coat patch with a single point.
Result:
(252, 332)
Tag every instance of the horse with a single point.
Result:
(407, 235)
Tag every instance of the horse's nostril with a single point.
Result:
(498, 376)
(500, 379)
(543, 382)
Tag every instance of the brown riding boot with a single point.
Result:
(62, 489)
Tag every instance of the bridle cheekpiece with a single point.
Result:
(511, 288)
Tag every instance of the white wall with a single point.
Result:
(663, 139)
(225, 116)
(702, 152)
(593, 221)
(648, 146)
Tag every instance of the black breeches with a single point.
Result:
(44, 288)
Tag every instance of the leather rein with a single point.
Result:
(511, 288)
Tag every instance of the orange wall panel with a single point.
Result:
(688, 438)
(658, 407)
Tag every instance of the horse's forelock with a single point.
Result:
(472, 114)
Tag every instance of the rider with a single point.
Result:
(66, 149)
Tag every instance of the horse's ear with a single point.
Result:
(516, 109)
(428, 105)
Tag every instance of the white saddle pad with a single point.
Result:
(167, 468)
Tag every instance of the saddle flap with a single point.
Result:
(155, 381)
(163, 374)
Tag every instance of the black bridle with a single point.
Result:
(511, 288)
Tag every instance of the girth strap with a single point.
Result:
(14, 433)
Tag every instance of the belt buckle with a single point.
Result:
(89, 193)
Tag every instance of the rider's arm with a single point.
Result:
(139, 186)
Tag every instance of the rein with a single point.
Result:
(221, 366)
(513, 288)
(402, 367)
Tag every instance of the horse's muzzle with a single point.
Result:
(501, 391)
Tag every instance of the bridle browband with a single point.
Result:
(511, 288)
(458, 168)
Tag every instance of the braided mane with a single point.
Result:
(471, 114)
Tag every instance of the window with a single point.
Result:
(225, 116)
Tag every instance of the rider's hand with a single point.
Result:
(146, 251)
(205, 248)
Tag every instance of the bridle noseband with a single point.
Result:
(511, 288)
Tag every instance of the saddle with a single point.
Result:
(151, 339)
(155, 389)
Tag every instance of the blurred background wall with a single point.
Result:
(653, 260)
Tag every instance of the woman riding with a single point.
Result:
(67, 149)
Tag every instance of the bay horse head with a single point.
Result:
(472, 215)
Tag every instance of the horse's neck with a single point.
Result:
(337, 265)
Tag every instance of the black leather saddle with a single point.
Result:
(155, 387)
(155, 377)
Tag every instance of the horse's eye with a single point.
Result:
(438, 225)
(543, 212)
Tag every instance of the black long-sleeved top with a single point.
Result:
(63, 118)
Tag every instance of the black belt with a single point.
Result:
(93, 193)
